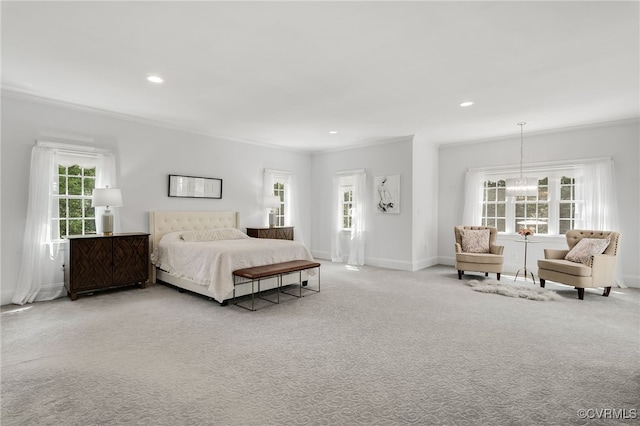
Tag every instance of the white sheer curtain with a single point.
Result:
(595, 186)
(356, 256)
(358, 181)
(473, 189)
(41, 274)
(291, 215)
(336, 213)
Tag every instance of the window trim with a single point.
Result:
(551, 170)
(282, 212)
(67, 160)
(344, 188)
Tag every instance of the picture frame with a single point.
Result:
(194, 187)
(386, 192)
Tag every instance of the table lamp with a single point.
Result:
(272, 202)
(107, 197)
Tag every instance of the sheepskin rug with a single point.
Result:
(530, 292)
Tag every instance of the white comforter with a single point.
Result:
(211, 263)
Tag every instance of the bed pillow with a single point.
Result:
(475, 240)
(582, 251)
(159, 251)
(170, 237)
(213, 235)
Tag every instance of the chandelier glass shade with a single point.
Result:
(521, 187)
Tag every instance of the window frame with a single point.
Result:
(87, 218)
(346, 206)
(282, 189)
(554, 176)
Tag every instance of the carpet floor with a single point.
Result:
(375, 347)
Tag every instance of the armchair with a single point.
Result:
(487, 258)
(592, 270)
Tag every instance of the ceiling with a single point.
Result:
(287, 73)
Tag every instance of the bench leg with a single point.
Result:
(252, 292)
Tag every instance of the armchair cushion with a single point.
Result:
(565, 267)
(586, 247)
(480, 258)
(475, 240)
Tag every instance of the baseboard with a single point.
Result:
(425, 263)
(400, 265)
(5, 297)
(631, 281)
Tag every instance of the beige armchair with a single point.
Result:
(486, 257)
(595, 270)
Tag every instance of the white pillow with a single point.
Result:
(213, 235)
(582, 251)
(475, 240)
(170, 237)
(158, 254)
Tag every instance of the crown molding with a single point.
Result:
(600, 124)
(21, 95)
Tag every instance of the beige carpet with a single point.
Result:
(375, 347)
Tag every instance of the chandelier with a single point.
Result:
(522, 186)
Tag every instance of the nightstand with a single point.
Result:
(277, 233)
(95, 262)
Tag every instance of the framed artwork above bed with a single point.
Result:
(195, 187)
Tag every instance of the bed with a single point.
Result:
(199, 250)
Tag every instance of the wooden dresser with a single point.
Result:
(94, 262)
(277, 233)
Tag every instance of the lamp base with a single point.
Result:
(107, 223)
(272, 219)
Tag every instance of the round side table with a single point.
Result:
(525, 271)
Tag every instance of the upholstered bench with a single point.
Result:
(276, 270)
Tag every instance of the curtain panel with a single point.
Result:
(595, 186)
(41, 274)
(358, 182)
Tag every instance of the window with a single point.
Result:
(551, 212)
(279, 189)
(75, 188)
(494, 206)
(346, 197)
(567, 204)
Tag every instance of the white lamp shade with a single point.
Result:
(521, 187)
(106, 197)
(272, 202)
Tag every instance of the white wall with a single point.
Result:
(146, 155)
(389, 237)
(620, 141)
(425, 204)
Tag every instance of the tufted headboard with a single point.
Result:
(161, 222)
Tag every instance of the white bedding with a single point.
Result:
(209, 258)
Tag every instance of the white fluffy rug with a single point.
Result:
(513, 290)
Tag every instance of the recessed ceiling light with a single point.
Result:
(155, 79)
(333, 132)
(466, 104)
